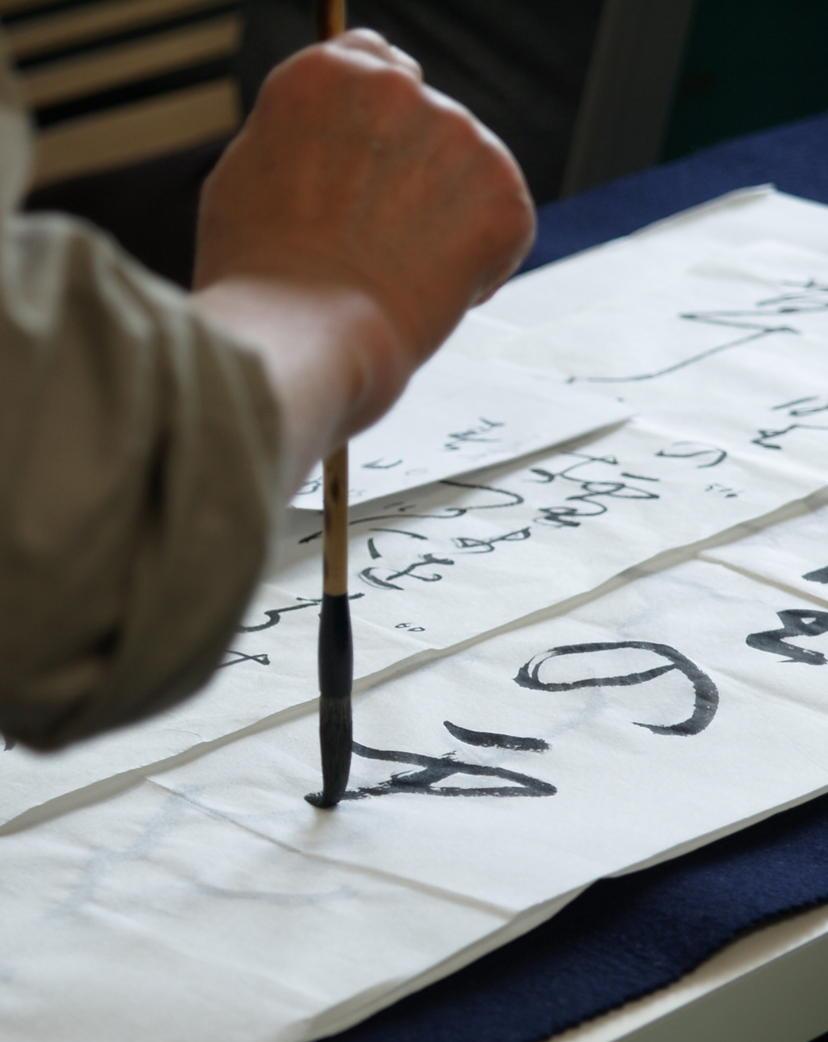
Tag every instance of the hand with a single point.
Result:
(361, 199)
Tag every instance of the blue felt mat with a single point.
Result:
(621, 939)
(627, 937)
(792, 157)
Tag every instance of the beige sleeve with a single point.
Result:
(138, 485)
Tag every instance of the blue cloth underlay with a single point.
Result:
(792, 157)
(621, 939)
(624, 938)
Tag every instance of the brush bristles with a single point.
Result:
(336, 673)
(335, 738)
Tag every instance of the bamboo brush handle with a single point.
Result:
(330, 16)
(335, 552)
(330, 22)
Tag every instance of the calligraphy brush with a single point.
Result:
(336, 653)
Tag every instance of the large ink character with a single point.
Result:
(705, 693)
(796, 622)
(433, 770)
(426, 774)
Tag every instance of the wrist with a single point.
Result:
(334, 360)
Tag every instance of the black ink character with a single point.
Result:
(809, 296)
(396, 511)
(723, 490)
(545, 476)
(796, 622)
(435, 769)
(471, 545)
(820, 575)
(705, 692)
(380, 464)
(263, 660)
(768, 438)
(374, 551)
(505, 497)
(307, 488)
(493, 740)
(589, 501)
(273, 616)
(712, 454)
(808, 406)
(386, 578)
(408, 511)
(474, 435)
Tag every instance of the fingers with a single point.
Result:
(369, 42)
(370, 179)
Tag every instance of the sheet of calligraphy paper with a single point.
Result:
(471, 555)
(660, 250)
(615, 651)
(440, 566)
(720, 365)
(455, 418)
(444, 567)
(487, 790)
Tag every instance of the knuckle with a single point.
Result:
(364, 36)
(319, 60)
(310, 72)
(395, 84)
(404, 58)
(312, 63)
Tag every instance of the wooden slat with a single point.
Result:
(152, 127)
(126, 63)
(8, 7)
(95, 20)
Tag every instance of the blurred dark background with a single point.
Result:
(582, 90)
(747, 65)
(519, 66)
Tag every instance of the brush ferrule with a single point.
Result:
(336, 652)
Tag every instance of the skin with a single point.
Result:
(346, 230)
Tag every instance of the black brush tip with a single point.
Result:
(336, 671)
(335, 739)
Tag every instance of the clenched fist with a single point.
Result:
(348, 227)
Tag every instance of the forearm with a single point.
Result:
(138, 481)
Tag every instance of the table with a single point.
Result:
(629, 937)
